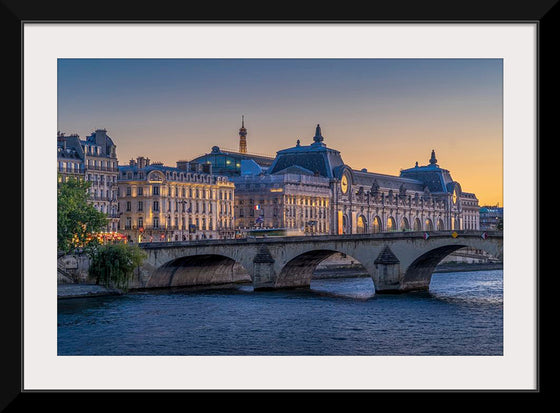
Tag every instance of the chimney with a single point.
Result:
(101, 140)
(101, 133)
(142, 162)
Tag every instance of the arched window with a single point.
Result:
(429, 225)
(391, 224)
(376, 225)
(440, 225)
(361, 225)
(404, 225)
(418, 225)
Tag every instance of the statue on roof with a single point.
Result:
(433, 160)
(318, 137)
(374, 188)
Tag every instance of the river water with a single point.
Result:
(462, 314)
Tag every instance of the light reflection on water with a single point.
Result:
(460, 315)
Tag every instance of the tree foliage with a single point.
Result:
(500, 224)
(113, 264)
(76, 218)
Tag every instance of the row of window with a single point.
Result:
(308, 226)
(200, 224)
(190, 207)
(181, 177)
(107, 209)
(70, 166)
(470, 222)
(319, 202)
(92, 150)
(362, 226)
(251, 212)
(100, 193)
(192, 193)
(101, 163)
(101, 178)
(308, 212)
(289, 200)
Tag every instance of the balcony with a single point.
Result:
(71, 170)
(101, 168)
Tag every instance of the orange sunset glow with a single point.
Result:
(381, 114)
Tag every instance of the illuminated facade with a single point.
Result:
(95, 160)
(162, 203)
(309, 189)
(292, 200)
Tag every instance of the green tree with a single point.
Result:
(500, 224)
(113, 264)
(77, 219)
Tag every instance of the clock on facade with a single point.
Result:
(344, 184)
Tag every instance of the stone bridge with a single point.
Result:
(397, 262)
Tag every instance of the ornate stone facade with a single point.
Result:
(162, 203)
(95, 160)
(309, 189)
(298, 203)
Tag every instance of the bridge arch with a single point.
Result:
(418, 273)
(299, 270)
(192, 270)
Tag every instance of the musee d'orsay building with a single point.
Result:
(308, 189)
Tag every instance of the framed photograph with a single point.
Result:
(383, 102)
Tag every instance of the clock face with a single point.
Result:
(344, 184)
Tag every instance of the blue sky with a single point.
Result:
(382, 114)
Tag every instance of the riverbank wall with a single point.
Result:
(75, 290)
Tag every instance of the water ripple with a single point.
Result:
(462, 314)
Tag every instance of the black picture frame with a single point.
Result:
(14, 13)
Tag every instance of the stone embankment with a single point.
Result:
(68, 290)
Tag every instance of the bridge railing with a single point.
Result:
(396, 235)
